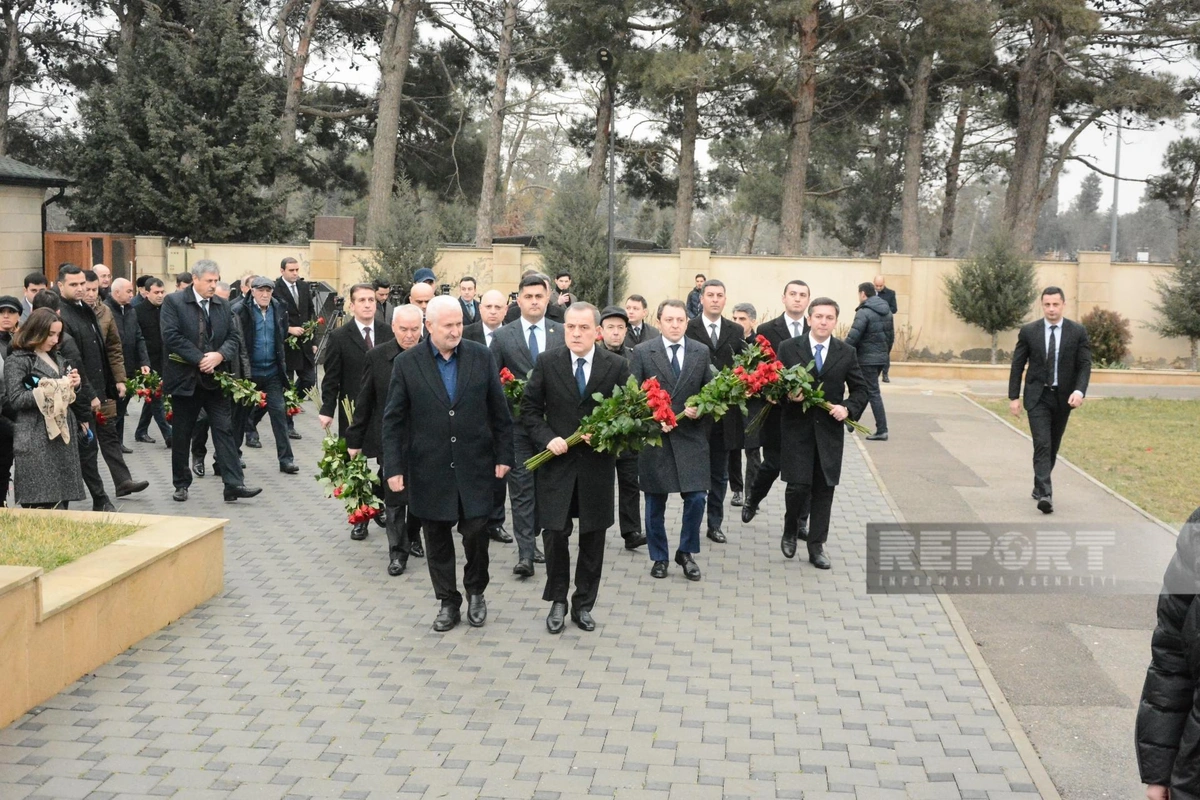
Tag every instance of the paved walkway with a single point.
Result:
(1000, 388)
(315, 675)
(1072, 667)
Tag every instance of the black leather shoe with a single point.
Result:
(359, 531)
(716, 535)
(381, 518)
(180, 495)
(524, 568)
(396, 567)
(659, 570)
(635, 540)
(749, 510)
(583, 620)
(877, 437)
(167, 442)
(886, 379)
(131, 487)
(802, 534)
(289, 467)
(690, 568)
(254, 443)
(538, 556)
(126, 450)
(817, 557)
(1046, 506)
(498, 534)
(147, 439)
(736, 502)
(237, 492)
(198, 466)
(294, 434)
(1035, 495)
(105, 507)
(788, 545)
(415, 549)
(476, 610)
(448, 616)
(557, 618)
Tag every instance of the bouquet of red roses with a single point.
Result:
(239, 390)
(292, 402)
(148, 386)
(514, 388)
(349, 479)
(633, 418)
(310, 330)
(168, 408)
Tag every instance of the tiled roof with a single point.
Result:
(17, 173)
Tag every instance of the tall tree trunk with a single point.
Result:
(1037, 81)
(604, 118)
(753, 235)
(795, 177)
(877, 229)
(129, 17)
(685, 197)
(950, 205)
(514, 152)
(995, 345)
(295, 63)
(914, 146)
(491, 160)
(8, 70)
(393, 64)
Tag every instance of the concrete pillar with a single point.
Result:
(692, 261)
(324, 261)
(1094, 281)
(506, 267)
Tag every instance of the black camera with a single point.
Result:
(444, 289)
(339, 302)
(512, 297)
(396, 295)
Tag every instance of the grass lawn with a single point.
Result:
(51, 541)
(1144, 449)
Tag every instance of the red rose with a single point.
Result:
(337, 491)
(506, 376)
(320, 320)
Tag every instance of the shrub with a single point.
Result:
(993, 290)
(1109, 334)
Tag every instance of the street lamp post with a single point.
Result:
(605, 59)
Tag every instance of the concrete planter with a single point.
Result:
(999, 372)
(56, 627)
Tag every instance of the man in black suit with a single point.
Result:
(517, 347)
(724, 340)
(745, 315)
(681, 463)
(553, 311)
(1059, 357)
(889, 297)
(198, 327)
(578, 482)
(345, 362)
(788, 325)
(365, 434)
(383, 301)
(467, 300)
(34, 283)
(133, 343)
(639, 329)
(615, 331)
(448, 438)
(483, 330)
(149, 317)
(812, 440)
(293, 291)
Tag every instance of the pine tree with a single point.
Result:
(184, 141)
(406, 243)
(576, 241)
(994, 290)
(1179, 303)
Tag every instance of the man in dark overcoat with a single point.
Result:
(812, 441)
(578, 482)
(681, 463)
(448, 437)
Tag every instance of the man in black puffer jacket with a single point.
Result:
(1168, 719)
(872, 335)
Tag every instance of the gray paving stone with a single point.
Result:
(314, 674)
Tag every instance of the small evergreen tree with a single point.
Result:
(1109, 335)
(184, 140)
(994, 290)
(575, 240)
(406, 244)
(1179, 303)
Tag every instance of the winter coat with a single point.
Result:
(872, 333)
(47, 471)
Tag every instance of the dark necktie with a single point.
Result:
(533, 347)
(367, 338)
(795, 329)
(207, 317)
(295, 294)
(580, 378)
(637, 333)
(713, 332)
(817, 357)
(1052, 355)
(675, 368)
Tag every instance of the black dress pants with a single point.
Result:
(89, 465)
(1047, 423)
(737, 483)
(220, 420)
(6, 457)
(439, 554)
(796, 504)
(814, 500)
(587, 569)
(402, 525)
(110, 447)
(629, 498)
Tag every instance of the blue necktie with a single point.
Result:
(675, 360)
(820, 361)
(533, 348)
(580, 380)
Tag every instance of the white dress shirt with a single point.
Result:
(1053, 359)
(488, 333)
(667, 343)
(202, 301)
(539, 334)
(364, 329)
(708, 323)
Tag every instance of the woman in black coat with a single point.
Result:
(47, 470)
(1168, 719)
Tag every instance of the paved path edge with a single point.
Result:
(1033, 763)
(1103, 486)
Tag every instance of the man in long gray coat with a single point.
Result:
(681, 463)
